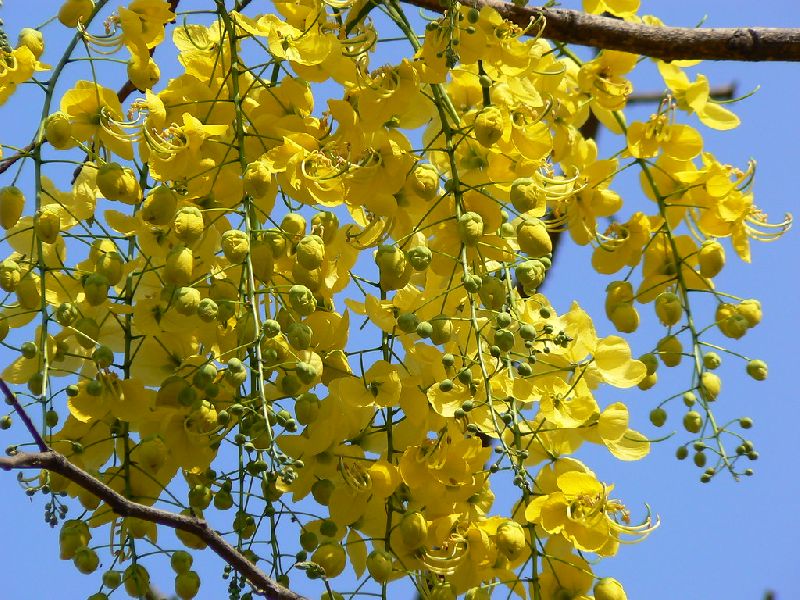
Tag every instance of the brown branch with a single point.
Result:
(7, 163)
(56, 462)
(11, 400)
(666, 43)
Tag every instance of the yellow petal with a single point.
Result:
(717, 117)
(631, 446)
(357, 551)
(613, 422)
(613, 359)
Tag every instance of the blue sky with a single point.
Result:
(721, 540)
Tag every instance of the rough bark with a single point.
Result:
(666, 43)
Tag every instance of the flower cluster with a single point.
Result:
(345, 295)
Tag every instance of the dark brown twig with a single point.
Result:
(11, 400)
(58, 463)
(666, 43)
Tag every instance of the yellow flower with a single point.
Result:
(603, 79)
(143, 22)
(443, 471)
(177, 152)
(621, 245)
(587, 196)
(610, 429)
(660, 269)
(304, 42)
(201, 51)
(694, 97)
(95, 113)
(16, 66)
(577, 506)
(618, 8)
(677, 141)
(380, 386)
(564, 574)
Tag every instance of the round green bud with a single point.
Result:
(103, 356)
(94, 387)
(28, 350)
(420, 258)
(757, 369)
(712, 360)
(700, 459)
(407, 322)
(658, 416)
(693, 421)
(424, 329)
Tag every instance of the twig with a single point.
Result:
(723, 92)
(58, 463)
(666, 43)
(7, 163)
(11, 400)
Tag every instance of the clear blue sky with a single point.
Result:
(722, 540)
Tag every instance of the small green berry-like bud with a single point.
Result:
(757, 369)
(712, 361)
(658, 416)
(700, 459)
(693, 421)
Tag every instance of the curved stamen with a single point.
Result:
(445, 560)
(107, 44)
(355, 476)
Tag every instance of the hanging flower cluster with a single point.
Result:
(323, 317)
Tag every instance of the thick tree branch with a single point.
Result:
(58, 463)
(666, 43)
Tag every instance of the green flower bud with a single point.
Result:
(668, 308)
(470, 228)
(526, 196)
(658, 416)
(692, 421)
(419, 257)
(119, 183)
(188, 225)
(488, 126)
(47, 224)
(299, 336)
(407, 322)
(235, 245)
(711, 361)
(58, 131)
(310, 251)
(159, 206)
(12, 203)
(711, 258)
(302, 300)
(533, 238)
(757, 369)
(609, 588)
